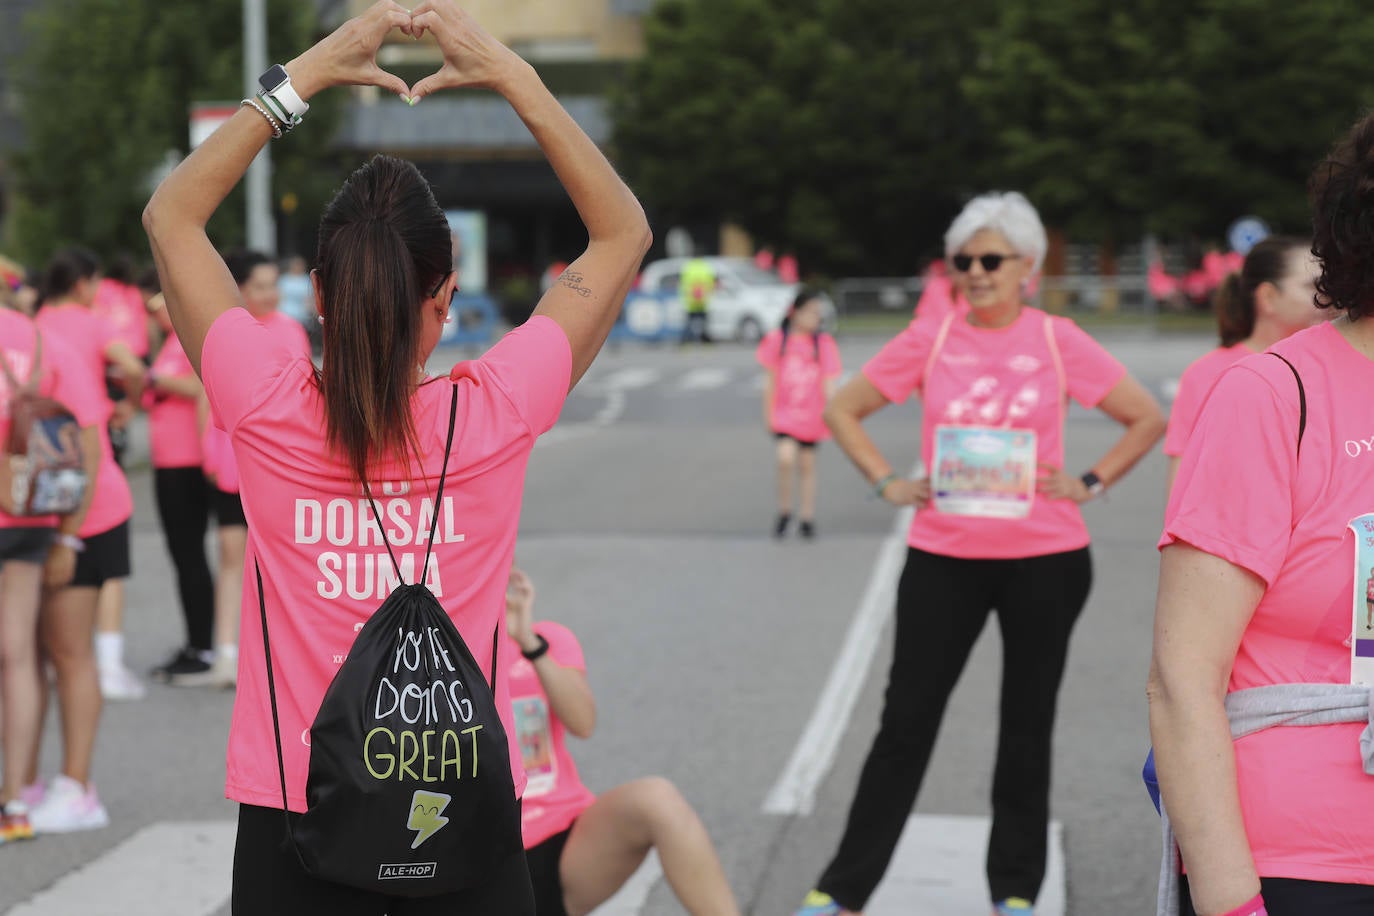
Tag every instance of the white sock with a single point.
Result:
(229, 651)
(109, 650)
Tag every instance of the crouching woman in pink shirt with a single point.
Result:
(997, 526)
(308, 443)
(1261, 611)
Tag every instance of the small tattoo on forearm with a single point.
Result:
(573, 281)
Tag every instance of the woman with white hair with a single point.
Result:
(997, 527)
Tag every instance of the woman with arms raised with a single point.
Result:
(370, 420)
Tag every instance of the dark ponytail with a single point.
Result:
(804, 295)
(384, 245)
(1234, 300)
(66, 269)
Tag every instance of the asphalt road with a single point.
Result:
(646, 530)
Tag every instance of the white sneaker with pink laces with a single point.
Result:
(68, 806)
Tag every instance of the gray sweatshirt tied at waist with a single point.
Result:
(1260, 708)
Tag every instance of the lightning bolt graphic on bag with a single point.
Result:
(427, 815)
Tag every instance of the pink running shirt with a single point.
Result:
(61, 377)
(1244, 495)
(173, 427)
(1193, 387)
(122, 306)
(214, 444)
(88, 335)
(324, 566)
(555, 795)
(799, 382)
(999, 377)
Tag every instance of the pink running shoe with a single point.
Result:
(68, 807)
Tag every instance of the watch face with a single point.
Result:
(274, 77)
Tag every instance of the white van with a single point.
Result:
(748, 302)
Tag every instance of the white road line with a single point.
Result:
(703, 379)
(938, 868)
(167, 869)
(795, 790)
(629, 378)
(633, 894)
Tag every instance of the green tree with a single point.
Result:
(105, 91)
(832, 128)
(1168, 116)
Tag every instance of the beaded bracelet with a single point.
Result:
(271, 121)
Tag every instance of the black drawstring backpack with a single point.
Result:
(409, 791)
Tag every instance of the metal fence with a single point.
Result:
(1087, 293)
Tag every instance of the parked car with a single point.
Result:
(748, 302)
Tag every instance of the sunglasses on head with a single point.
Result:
(990, 262)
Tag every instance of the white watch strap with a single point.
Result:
(289, 101)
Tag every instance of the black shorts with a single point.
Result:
(228, 508)
(1296, 897)
(544, 860)
(800, 442)
(106, 557)
(25, 544)
(269, 881)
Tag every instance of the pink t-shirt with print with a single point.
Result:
(173, 427)
(219, 460)
(554, 795)
(1193, 387)
(324, 570)
(88, 335)
(1244, 494)
(997, 377)
(60, 376)
(800, 375)
(122, 306)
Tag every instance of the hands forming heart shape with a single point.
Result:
(348, 57)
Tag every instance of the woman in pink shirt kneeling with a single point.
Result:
(803, 364)
(582, 848)
(1268, 299)
(1261, 616)
(997, 526)
(309, 444)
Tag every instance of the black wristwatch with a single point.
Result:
(538, 652)
(1094, 484)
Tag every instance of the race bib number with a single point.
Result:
(536, 745)
(1362, 643)
(984, 471)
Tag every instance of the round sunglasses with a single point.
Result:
(990, 262)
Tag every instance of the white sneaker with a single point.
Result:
(224, 671)
(68, 806)
(119, 683)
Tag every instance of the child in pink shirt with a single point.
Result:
(582, 848)
(257, 278)
(1267, 300)
(803, 363)
(25, 548)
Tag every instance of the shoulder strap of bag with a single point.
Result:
(31, 385)
(262, 605)
(1302, 399)
(935, 348)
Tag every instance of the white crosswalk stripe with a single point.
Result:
(630, 378)
(704, 379)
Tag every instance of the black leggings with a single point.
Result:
(1294, 897)
(183, 506)
(269, 881)
(942, 605)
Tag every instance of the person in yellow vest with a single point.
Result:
(696, 287)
